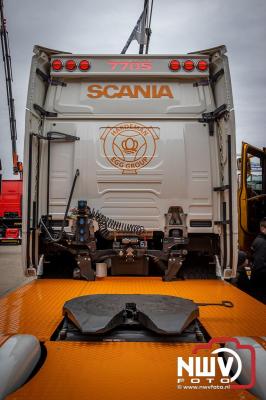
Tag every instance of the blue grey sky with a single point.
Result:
(178, 26)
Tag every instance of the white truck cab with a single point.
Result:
(130, 161)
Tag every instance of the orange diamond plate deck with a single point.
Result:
(36, 308)
(117, 370)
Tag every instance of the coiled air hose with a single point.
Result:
(106, 223)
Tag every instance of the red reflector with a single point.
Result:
(202, 65)
(57, 65)
(71, 65)
(189, 65)
(84, 65)
(174, 65)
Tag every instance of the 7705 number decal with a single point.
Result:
(130, 66)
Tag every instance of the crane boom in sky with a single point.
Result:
(17, 165)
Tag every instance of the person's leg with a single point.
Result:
(258, 285)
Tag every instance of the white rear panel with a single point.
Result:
(141, 147)
(133, 169)
(170, 167)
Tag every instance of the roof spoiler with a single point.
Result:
(40, 49)
(221, 49)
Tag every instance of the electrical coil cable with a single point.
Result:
(106, 224)
(58, 235)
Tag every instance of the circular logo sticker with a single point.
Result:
(129, 146)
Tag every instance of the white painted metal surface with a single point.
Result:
(18, 357)
(142, 148)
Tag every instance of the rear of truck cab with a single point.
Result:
(153, 139)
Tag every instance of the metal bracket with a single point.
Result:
(61, 136)
(43, 112)
(210, 117)
(48, 79)
(174, 265)
(213, 79)
(217, 76)
(221, 188)
(84, 265)
(170, 242)
(221, 222)
(202, 82)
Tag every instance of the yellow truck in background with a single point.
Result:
(251, 193)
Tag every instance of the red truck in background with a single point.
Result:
(10, 190)
(10, 211)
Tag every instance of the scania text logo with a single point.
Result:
(129, 146)
(115, 91)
